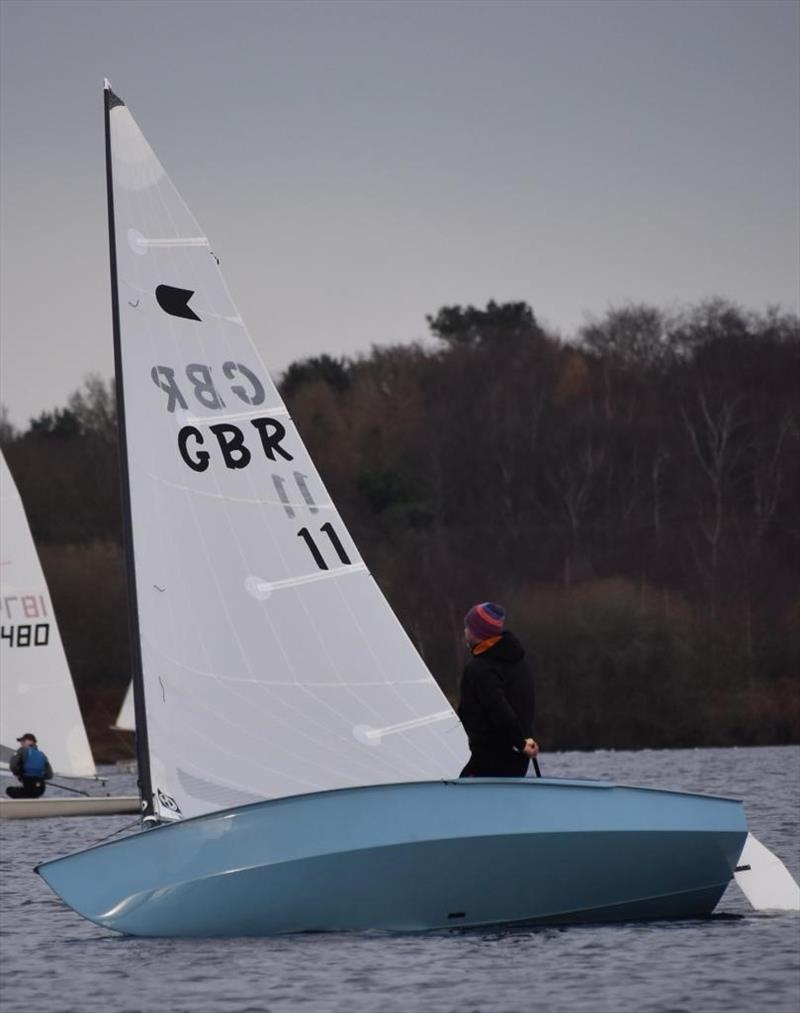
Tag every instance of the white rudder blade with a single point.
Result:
(765, 880)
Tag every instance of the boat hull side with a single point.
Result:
(411, 858)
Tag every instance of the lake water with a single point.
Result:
(53, 961)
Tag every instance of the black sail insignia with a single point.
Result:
(175, 301)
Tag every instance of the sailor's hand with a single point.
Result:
(531, 748)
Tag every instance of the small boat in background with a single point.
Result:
(297, 760)
(63, 805)
(126, 721)
(36, 688)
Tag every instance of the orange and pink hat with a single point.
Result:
(486, 620)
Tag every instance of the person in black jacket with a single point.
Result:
(30, 765)
(497, 706)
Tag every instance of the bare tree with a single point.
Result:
(712, 437)
(94, 405)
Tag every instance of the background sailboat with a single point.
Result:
(126, 720)
(279, 702)
(36, 689)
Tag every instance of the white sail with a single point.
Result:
(126, 719)
(36, 690)
(272, 664)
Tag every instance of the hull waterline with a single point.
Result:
(411, 857)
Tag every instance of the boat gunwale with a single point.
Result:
(458, 782)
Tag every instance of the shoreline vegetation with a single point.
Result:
(630, 496)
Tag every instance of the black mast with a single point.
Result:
(142, 750)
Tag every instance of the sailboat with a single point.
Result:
(125, 719)
(298, 763)
(36, 688)
(126, 722)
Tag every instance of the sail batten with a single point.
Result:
(274, 411)
(177, 241)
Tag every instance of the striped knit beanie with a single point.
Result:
(485, 620)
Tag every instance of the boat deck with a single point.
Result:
(42, 808)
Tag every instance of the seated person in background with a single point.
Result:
(30, 765)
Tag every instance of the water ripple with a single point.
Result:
(735, 960)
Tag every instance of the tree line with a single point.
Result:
(631, 497)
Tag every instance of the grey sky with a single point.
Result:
(358, 165)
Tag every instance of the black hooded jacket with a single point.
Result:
(497, 705)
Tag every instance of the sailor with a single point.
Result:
(30, 765)
(497, 697)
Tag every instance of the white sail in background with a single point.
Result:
(36, 690)
(126, 719)
(272, 664)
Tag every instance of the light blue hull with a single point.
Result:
(408, 857)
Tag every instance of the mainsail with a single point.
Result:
(36, 690)
(271, 663)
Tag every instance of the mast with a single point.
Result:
(142, 748)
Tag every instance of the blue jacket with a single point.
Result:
(28, 761)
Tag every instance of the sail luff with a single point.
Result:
(142, 748)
